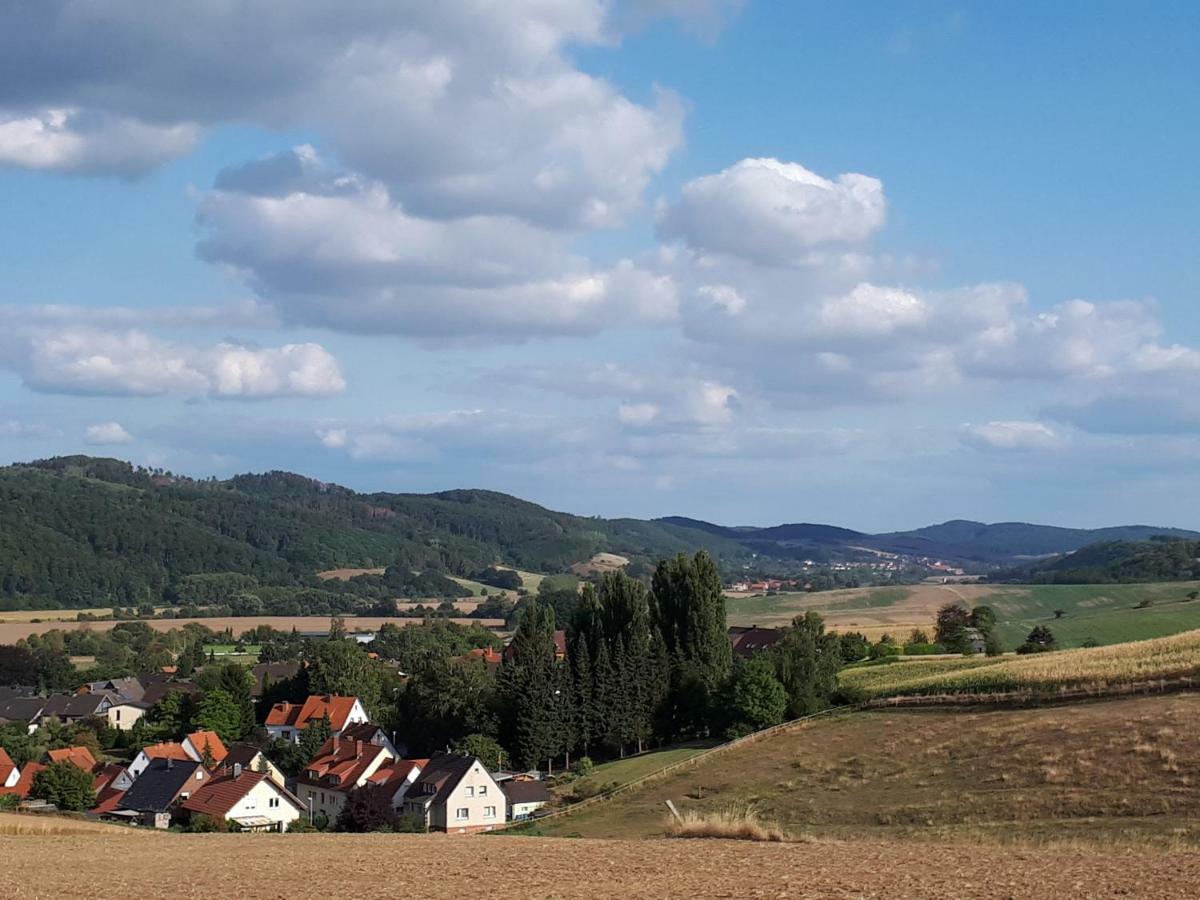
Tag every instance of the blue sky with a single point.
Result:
(875, 264)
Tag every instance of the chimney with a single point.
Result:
(337, 743)
(358, 749)
(237, 770)
(170, 763)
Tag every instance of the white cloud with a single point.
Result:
(107, 433)
(13, 428)
(773, 212)
(90, 361)
(637, 413)
(1011, 435)
(90, 143)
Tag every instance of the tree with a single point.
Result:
(918, 636)
(758, 699)
(526, 683)
(853, 646)
(807, 661)
(314, 736)
(367, 808)
(689, 611)
(173, 714)
(952, 623)
(343, 668)
(481, 746)
(237, 681)
(444, 700)
(65, 785)
(220, 713)
(337, 629)
(1059, 613)
(1039, 640)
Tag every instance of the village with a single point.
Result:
(200, 783)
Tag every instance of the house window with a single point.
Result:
(199, 774)
(273, 803)
(118, 715)
(489, 812)
(483, 790)
(462, 813)
(470, 791)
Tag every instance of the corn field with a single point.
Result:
(1097, 668)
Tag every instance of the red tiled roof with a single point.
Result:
(106, 776)
(317, 706)
(6, 766)
(199, 738)
(218, 796)
(397, 773)
(107, 800)
(166, 750)
(21, 788)
(346, 760)
(80, 756)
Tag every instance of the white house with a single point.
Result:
(525, 797)
(285, 721)
(338, 768)
(250, 800)
(456, 794)
(165, 750)
(9, 773)
(124, 714)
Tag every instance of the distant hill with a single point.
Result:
(1113, 562)
(82, 531)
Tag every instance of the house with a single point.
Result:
(124, 714)
(118, 689)
(199, 743)
(250, 800)
(76, 707)
(338, 768)
(285, 721)
(560, 647)
(9, 773)
(456, 794)
(162, 750)
(748, 640)
(524, 797)
(161, 785)
(489, 656)
(22, 711)
(80, 756)
(371, 733)
(396, 778)
(25, 782)
(251, 759)
(111, 775)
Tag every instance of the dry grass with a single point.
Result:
(347, 574)
(734, 823)
(182, 866)
(1099, 667)
(27, 825)
(1112, 771)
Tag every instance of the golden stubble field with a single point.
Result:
(10, 632)
(129, 863)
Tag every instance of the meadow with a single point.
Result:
(1096, 669)
(1103, 613)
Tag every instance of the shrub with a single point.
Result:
(206, 824)
(731, 824)
(925, 649)
(10, 801)
(584, 766)
(1144, 604)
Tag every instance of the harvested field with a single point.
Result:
(49, 615)
(1113, 772)
(600, 563)
(10, 632)
(41, 825)
(464, 606)
(273, 866)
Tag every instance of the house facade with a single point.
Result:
(249, 800)
(165, 750)
(457, 795)
(338, 768)
(286, 721)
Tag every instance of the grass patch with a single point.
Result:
(739, 824)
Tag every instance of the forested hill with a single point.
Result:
(1111, 562)
(80, 531)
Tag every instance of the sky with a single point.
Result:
(877, 264)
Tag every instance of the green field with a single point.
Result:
(1104, 613)
(623, 771)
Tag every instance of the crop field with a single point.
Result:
(11, 632)
(1095, 668)
(63, 615)
(1104, 613)
(347, 574)
(403, 865)
(1112, 772)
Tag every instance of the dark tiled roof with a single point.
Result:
(526, 792)
(442, 775)
(275, 671)
(76, 705)
(240, 754)
(748, 640)
(158, 786)
(21, 709)
(160, 689)
(14, 691)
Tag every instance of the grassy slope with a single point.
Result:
(1114, 770)
(621, 771)
(1105, 613)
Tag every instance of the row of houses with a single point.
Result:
(172, 782)
(121, 702)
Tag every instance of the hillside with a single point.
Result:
(80, 532)
(1112, 562)
(1116, 770)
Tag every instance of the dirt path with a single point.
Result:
(370, 866)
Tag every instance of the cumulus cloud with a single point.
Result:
(134, 363)
(335, 250)
(461, 108)
(90, 143)
(107, 433)
(774, 212)
(1011, 435)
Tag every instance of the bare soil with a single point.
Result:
(146, 864)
